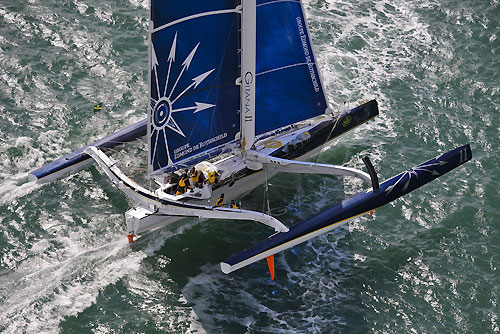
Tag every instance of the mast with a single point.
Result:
(248, 60)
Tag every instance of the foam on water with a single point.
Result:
(45, 280)
(55, 259)
(367, 45)
(428, 263)
(49, 279)
(303, 297)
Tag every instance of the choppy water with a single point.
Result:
(427, 264)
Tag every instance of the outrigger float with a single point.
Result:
(235, 104)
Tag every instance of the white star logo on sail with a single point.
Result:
(162, 110)
(413, 172)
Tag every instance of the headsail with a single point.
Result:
(288, 85)
(194, 99)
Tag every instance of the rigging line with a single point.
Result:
(300, 191)
(276, 211)
(264, 199)
(266, 196)
(265, 191)
(331, 131)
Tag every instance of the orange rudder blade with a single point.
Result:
(270, 264)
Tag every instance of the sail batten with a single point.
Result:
(195, 16)
(268, 2)
(280, 68)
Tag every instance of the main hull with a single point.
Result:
(243, 179)
(142, 219)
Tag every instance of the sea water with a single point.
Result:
(427, 263)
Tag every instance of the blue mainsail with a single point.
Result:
(194, 64)
(288, 85)
(195, 102)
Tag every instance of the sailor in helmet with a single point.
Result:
(220, 200)
(182, 185)
(197, 177)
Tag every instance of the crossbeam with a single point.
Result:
(303, 167)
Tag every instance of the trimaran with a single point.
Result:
(234, 91)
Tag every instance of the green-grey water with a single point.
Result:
(428, 263)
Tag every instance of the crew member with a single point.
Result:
(212, 177)
(182, 185)
(220, 200)
(234, 205)
(173, 180)
(98, 107)
(197, 177)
